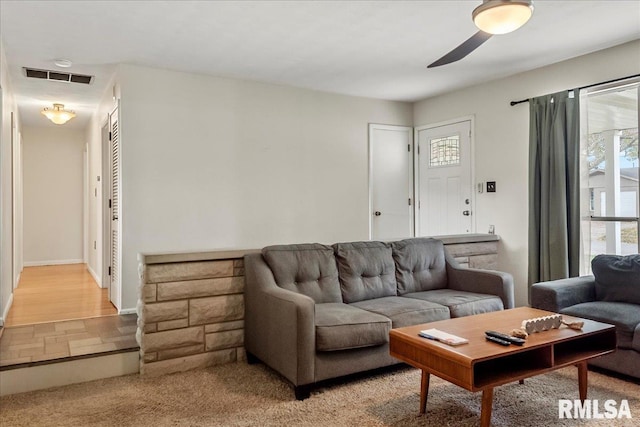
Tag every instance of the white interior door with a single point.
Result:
(444, 179)
(114, 203)
(391, 182)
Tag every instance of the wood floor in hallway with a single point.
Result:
(57, 292)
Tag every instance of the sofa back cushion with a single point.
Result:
(308, 269)
(617, 278)
(420, 265)
(366, 270)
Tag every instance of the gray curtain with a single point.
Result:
(554, 187)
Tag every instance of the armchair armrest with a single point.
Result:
(279, 324)
(558, 294)
(482, 281)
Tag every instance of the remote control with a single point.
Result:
(497, 340)
(505, 337)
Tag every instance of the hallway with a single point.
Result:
(57, 292)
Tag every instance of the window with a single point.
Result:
(609, 171)
(445, 151)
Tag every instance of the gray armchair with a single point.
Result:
(611, 295)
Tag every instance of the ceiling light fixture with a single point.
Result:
(502, 16)
(62, 63)
(58, 114)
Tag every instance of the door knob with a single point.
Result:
(466, 213)
(377, 213)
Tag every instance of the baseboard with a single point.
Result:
(95, 276)
(75, 371)
(128, 311)
(53, 262)
(5, 311)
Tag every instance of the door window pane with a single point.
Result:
(445, 151)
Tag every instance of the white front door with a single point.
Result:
(391, 182)
(444, 179)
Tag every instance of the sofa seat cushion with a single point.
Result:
(341, 327)
(366, 270)
(636, 339)
(617, 278)
(309, 269)
(420, 265)
(460, 303)
(624, 316)
(405, 311)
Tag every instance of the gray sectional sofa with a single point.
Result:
(315, 312)
(611, 295)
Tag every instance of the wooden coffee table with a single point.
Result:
(481, 365)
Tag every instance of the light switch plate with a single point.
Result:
(491, 186)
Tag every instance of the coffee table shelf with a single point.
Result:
(572, 351)
(510, 368)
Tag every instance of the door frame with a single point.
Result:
(85, 210)
(105, 222)
(472, 171)
(15, 269)
(107, 174)
(370, 175)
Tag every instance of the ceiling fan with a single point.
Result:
(491, 17)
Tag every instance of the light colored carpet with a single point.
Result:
(252, 395)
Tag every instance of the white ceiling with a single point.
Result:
(377, 49)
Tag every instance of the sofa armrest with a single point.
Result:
(482, 281)
(279, 324)
(558, 294)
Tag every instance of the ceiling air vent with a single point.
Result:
(36, 74)
(58, 76)
(79, 78)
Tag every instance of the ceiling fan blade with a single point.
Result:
(471, 44)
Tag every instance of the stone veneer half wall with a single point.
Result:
(191, 305)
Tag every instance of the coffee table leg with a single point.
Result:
(424, 391)
(582, 380)
(487, 406)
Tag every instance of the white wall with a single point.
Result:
(95, 195)
(53, 195)
(7, 108)
(213, 163)
(502, 137)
